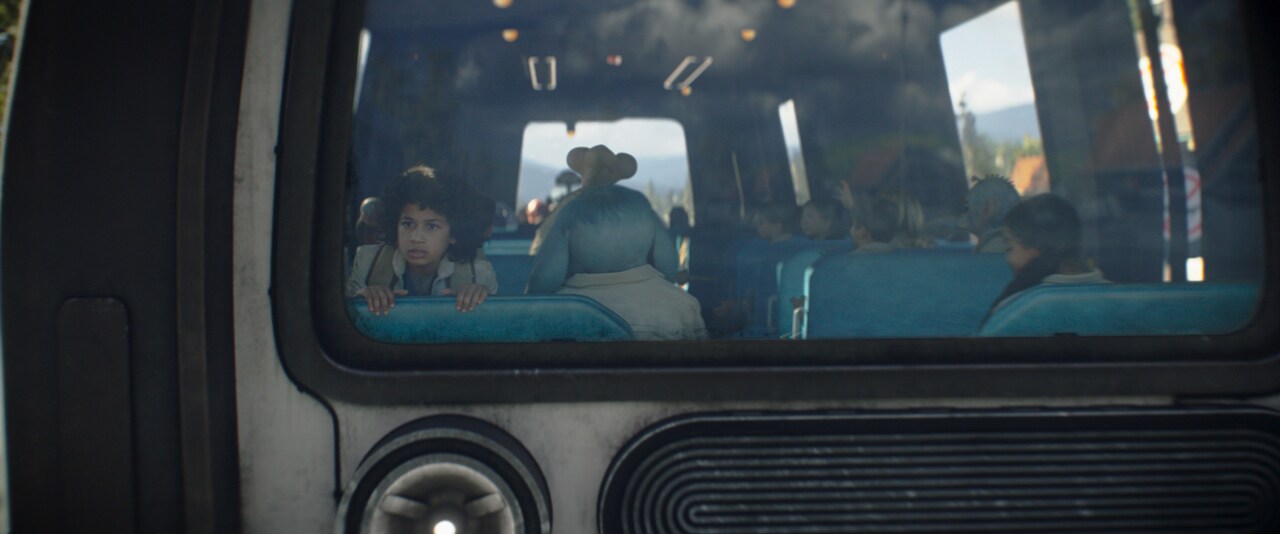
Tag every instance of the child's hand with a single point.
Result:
(846, 195)
(469, 296)
(381, 298)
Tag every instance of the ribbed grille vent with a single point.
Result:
(1053, 471)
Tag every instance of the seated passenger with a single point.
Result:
(367, 231)
(599, 167)
(416, 214)
(824, 219)
(875, 225)
(776, 222)
(596, 166)
(909, 218)
(875, 228)
(1042, 245)
(599, 247)
(989, 201)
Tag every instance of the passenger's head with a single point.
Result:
(989, 201)
(416, 213)
(367, 230)
(678, 221)
(600, 166)
(605, 229)
(776, 221)
(536, 211)
(824, 218)
(909, 218)
(1043, 226)
(369, 210)
(877, 223)
(611, 229)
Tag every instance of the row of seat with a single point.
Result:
(947, 294)
(910, 293)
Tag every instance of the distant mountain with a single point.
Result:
(667, 174)
(1009, 125)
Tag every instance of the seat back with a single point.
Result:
(927, 293)
(1125, 309)
(507, 247)
(748, 256)
(790, 273)
(498, 319)
(759, 279)
(513, 272)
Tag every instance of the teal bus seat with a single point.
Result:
(759, 268)
(497, 320)
(507, 247)
(748, 256)
(1125, 310)
(790, 274)
(513, 272)
(927, 293)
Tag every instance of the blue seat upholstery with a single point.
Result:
(498, 319)
(513, 272)
(1125, 309)
(758, 270)
(507, 247)
(930, 293)
(746, 264)
(790, 273)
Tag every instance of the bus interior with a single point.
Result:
(732, 107)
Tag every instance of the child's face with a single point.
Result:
(767, 230)
(422, 237)
(813, 224)
(861, 236)
(1015, 253)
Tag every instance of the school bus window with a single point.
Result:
(967, 169)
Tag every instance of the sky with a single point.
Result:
(986, 61)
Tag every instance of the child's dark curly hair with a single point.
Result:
(468, 212)
(470, 226)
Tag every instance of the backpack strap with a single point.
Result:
(382, 272)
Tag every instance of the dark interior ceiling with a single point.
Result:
(814, 44)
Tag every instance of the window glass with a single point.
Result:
(568, 148)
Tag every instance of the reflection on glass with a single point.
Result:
(795, 156)
(1176, 96)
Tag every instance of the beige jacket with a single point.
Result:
(655, 308)
(480, 272)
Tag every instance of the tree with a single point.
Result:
(9, 17)
(979, 155)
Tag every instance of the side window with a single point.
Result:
(795, 152)
(993, 98)
(865, 228)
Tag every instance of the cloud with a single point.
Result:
(547, 142)
(984, 95)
